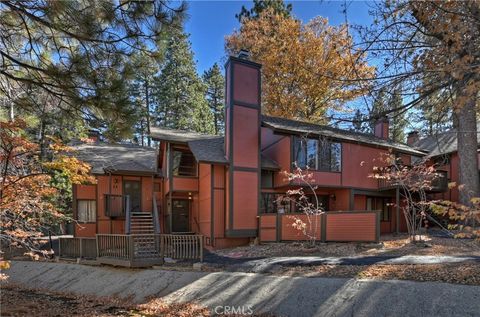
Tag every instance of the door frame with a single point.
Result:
(189, 209)
(133, 180)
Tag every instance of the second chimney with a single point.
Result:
(412, 137)
(381, 128)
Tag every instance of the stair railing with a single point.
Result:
(127, 214)
(156, 222)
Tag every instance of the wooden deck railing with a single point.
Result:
(77, 248)
(438, 184)
(116, 246)
(182, 246)
(147, 249)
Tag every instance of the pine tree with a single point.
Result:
(398, 121)
(180, 93)
(145, 67)
(215, 83)
(278, 6)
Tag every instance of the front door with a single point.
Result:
(134, 190)
(180, 215)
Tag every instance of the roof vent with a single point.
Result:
(244, 54)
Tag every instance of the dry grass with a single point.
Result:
(467, 273)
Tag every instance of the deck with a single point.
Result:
(136, 250)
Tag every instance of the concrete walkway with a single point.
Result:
(284, 296)
(264, 265)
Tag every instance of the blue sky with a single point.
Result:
(210, 21)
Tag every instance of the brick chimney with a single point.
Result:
(381, 128)
(242, 145)
(412, 137)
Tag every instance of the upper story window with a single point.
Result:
(321, 155)
(183, 163)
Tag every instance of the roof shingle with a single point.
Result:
(300, 127)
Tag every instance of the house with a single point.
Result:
(441, 151)
(229, 188)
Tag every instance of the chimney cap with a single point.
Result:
(244, 54)
(413, 133)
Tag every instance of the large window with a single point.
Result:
(183, 163)
(86, 210)
(322, 155)
(274, 203)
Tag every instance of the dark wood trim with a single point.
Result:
(241, 233)
(212, 206)
(245, 104)
(397, 210)
(351, 203)
(323, 227)
(230, 146)
(245, 169)
(273, 143)
(170, 188)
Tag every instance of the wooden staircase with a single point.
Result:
(142, 227)
(141, 223)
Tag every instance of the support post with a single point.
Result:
(323, 233)
(397, 210)
(127, 214)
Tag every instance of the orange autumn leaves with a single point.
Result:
(307, 68)
(26, 193)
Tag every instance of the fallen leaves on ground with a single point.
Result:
(389, 245)
(466, 273)
(17, 301)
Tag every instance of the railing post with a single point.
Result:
(156, 222)
(131, 245)
(98, 247)
(127, 214)
(201, 248)
(162, 248)
(81, 247)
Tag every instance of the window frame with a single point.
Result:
(300, 150)
(183, 151)
(77, 210)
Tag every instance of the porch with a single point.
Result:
(135, 250)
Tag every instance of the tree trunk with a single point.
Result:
(467, 152)
(147, 101)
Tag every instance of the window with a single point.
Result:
(267, 179)
(86, 210)
(322, 155)
(183, 163)
(382, 204)
(274, 203)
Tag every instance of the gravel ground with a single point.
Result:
(467, 274)
(389, 245)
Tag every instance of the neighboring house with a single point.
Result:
(442, 151)
(229, 188)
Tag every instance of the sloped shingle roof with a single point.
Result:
(300, 127)
(205, 147)
(439, 144)
(104, 157)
